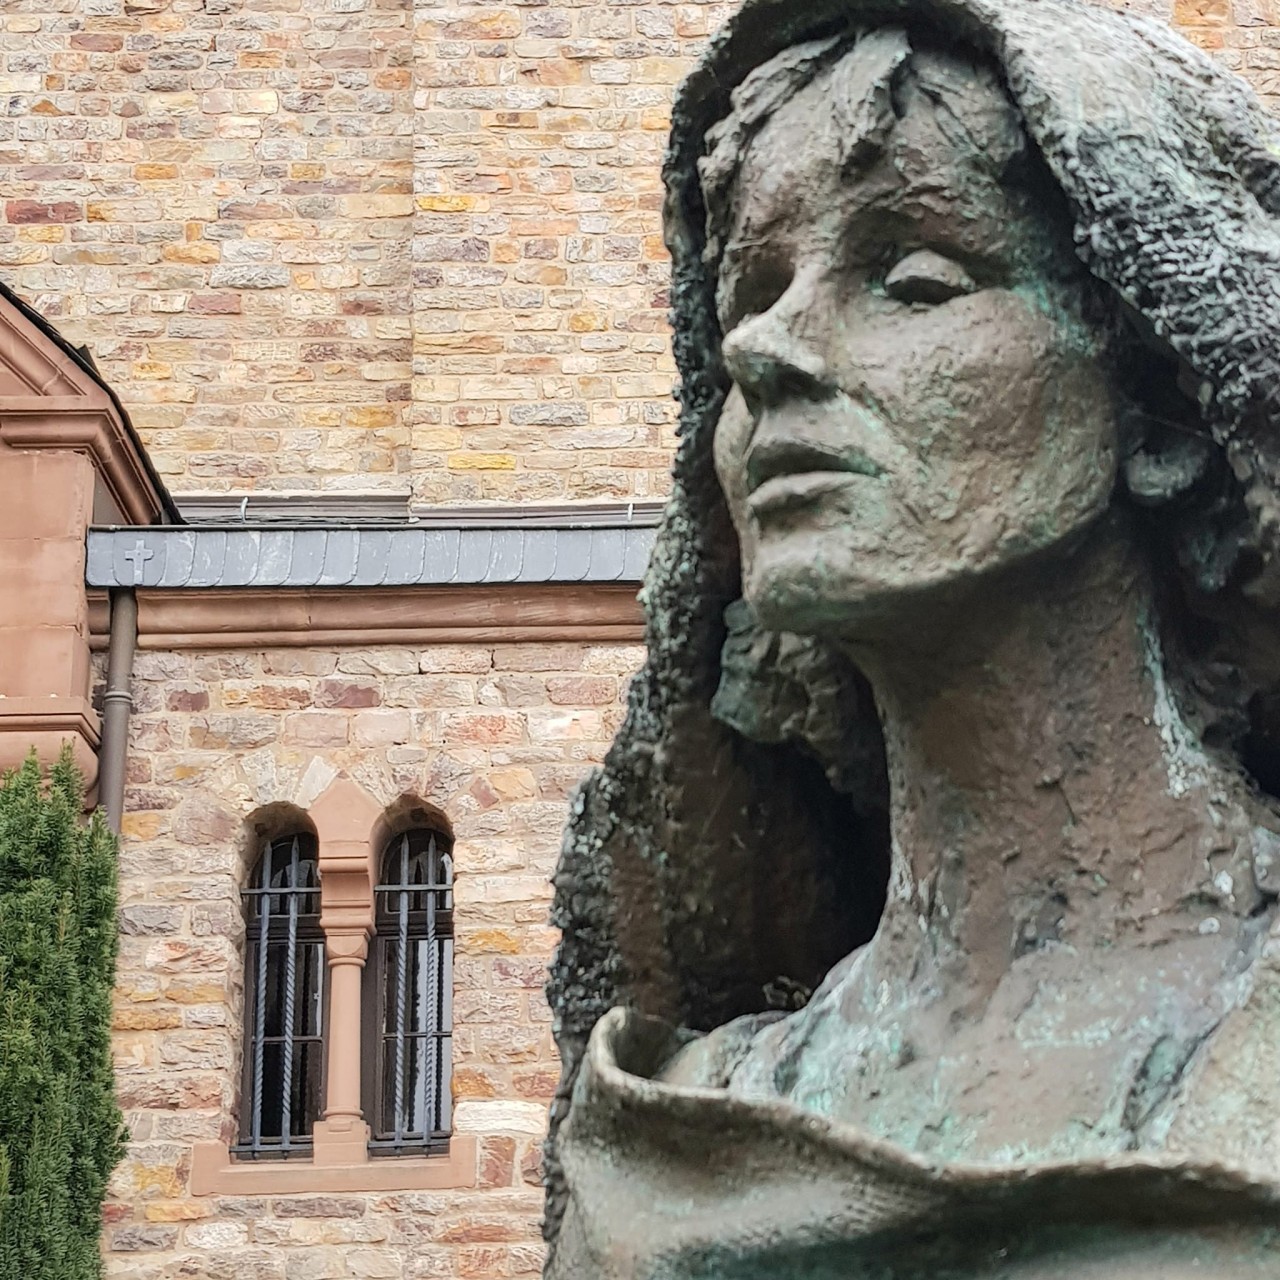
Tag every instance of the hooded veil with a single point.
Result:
(745, 792)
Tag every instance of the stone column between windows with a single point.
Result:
(345, 818)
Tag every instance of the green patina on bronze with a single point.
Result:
(1055, 1056)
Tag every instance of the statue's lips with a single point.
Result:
(790, 493)
(784, 474)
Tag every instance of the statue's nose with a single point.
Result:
(770, 362)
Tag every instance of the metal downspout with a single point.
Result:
(117, 703)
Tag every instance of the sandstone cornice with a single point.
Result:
(52, 398)
(68, 423)
(285, 618)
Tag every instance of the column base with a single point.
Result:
(343, 1140)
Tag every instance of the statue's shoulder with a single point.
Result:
(671, 1182)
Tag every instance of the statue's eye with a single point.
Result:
(925, 276)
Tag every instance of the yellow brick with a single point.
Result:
(514, 784)
(190, 992)
(137, 995)
(140, 826)
(176, 1211)
(154, 172)
(370, 416)
(376, 206)
(158, 1019)
(482, 462)
(198, 251)
(448, 204)
(1202, 13)
(155, 1178)
(437, 439)
(588, 321)
(481, 940)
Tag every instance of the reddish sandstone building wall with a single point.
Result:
(216, 738)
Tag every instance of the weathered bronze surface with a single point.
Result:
(944, 816)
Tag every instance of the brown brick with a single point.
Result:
(97, 43)
(347, 693)
(187, 700)
(22, 211)
(497, 1161)
(531, 1170)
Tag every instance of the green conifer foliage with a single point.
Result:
(60, 1128)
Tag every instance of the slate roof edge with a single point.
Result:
(279, 558)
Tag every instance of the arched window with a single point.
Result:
(284, 1001)
(411, 997)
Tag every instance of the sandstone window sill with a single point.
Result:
(215, 1173)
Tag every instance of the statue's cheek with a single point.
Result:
(732, 437)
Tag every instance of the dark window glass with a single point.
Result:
(411, 979)
(284, 1001)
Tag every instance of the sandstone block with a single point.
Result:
(27, 211)
(235, 276)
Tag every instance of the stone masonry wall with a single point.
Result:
(495, 737)
(216, 197)
(377, 244)
(542, 365)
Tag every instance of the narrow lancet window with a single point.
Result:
(412, 976)
(284, 1001)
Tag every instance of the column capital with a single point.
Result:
(344, 946)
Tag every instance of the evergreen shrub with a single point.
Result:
(60, 1127)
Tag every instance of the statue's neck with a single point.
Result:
(1042, 786)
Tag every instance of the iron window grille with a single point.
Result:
(284, 1002)
(410, 1006)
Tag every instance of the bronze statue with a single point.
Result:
(943, 822)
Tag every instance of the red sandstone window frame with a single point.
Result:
(352, 832)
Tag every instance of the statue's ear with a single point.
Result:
(1167, 452)
(1168, 464)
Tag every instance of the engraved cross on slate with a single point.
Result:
(138, 557)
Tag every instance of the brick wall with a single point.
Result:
(219, 198)
(541, 356)
(371, 244)
(216, 737)
(358, 244)
(215, 197)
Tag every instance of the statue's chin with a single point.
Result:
(874, 593)
(853, 606)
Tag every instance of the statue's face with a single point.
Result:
(915, 403)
